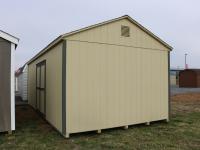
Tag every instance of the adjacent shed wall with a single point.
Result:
(53, 85)
(115, 81)
(5, 85)
(8, 44)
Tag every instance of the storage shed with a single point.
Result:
(111, 74)
(189, 78)
(8, 44)
(21, 80)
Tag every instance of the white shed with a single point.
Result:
(21, 82)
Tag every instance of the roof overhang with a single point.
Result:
(9, 37)
(54, 42)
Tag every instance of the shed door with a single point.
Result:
(41, 87)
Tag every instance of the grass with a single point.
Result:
(182, 132)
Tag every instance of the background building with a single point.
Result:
(174, 76)
(21, 79)
(189, 78)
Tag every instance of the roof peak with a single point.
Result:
(62, 36)
(116, 19)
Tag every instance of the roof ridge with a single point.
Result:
(59, 38)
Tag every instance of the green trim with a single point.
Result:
(64, 87)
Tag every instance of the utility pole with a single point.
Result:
(186, 65)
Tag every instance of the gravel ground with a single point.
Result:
(177, 90)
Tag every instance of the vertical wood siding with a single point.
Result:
(22, 83)
(115, 81)
(112, 86)
(53, 85)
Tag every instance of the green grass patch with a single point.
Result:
(182, 132)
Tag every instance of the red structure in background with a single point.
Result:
(189, 78)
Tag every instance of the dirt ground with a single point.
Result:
(29, 116)
(185, 103)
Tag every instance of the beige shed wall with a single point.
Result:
(53, 85)
(110, 85)
(111, 33)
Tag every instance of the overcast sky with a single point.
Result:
(38, 22)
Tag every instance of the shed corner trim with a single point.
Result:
(169, 88)
(64, 87)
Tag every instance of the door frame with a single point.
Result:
(38, 88)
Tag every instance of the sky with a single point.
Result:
(38, 22)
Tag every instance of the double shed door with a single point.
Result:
(41, 87)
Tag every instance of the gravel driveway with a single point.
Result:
(177, 90)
